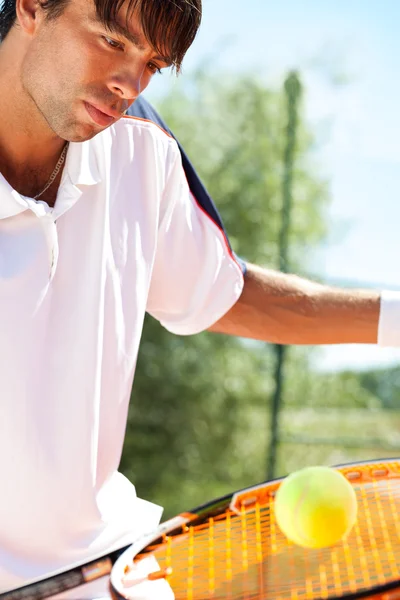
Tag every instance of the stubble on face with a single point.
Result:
(58, 76)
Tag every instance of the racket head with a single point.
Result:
(231, 548)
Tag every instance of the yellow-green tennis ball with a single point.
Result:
(315, 507)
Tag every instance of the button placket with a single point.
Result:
(50, 229)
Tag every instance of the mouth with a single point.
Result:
(101, 116)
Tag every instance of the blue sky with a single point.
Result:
(357, 123)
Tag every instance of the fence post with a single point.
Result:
(292, 88)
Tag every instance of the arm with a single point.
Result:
(285, 309)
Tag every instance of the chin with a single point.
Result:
(83, 137)
(79, 133)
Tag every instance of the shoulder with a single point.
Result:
(143, 109)
(134, 151)
(138, 128)
(137, 139)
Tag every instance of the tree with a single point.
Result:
(198, 423)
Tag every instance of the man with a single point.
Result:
(97, 226)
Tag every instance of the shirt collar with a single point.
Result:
(11, 203)
(82, 162)
(81, 169)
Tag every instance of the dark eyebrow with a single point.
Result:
(132, 37)
(116, 27)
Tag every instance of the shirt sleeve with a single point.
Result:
(143, 109)
(196, 278)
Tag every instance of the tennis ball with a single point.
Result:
(315, 507)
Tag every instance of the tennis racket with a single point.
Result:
(232, 549)
(65, 580)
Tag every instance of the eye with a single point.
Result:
(154, 68)
(112, 43)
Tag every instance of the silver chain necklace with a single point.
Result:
(55, 172)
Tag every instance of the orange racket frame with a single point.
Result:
(232, 549)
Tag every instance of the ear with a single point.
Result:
(29, 14)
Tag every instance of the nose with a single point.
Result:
(127, 84)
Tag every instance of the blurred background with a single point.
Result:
(289, 112)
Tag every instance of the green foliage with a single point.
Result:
(331, 418)
(199, 418)
(190, 420)
(325, 390)
(384, 384)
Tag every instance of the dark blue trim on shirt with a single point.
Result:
(142, 109)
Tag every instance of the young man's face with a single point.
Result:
(81, 77)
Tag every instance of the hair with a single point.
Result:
(169, 26)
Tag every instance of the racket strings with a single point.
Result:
(242, 555)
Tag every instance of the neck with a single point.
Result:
(27, 144)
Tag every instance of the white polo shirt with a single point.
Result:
(125, 237)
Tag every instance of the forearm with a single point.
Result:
(286, 309)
